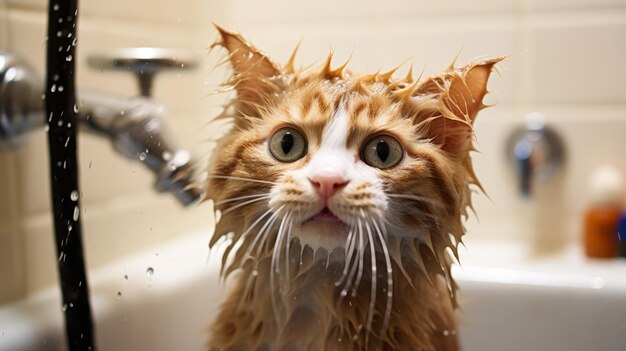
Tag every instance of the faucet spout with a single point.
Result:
(135, 126)
(536, 152)
(523, 154)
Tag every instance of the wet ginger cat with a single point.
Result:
(341, 198)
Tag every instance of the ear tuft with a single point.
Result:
(289, 67)
(404, 94)
(385, 77)
(409, 75)
(337, 72)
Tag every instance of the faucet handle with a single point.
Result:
(144, 62)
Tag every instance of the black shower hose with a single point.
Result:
(61, 117)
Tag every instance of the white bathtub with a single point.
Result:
(510, 302)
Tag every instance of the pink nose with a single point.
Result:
(328, 185)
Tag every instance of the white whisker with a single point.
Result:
(264, 233)
(252, 277)
(252, 180)
(243, 236)
(349, 253)
(230, 209)
(274, 269)
(355, 262)
(370, 313)
(277, 244)
(381, 237)
(361, 265)
(288, 249)
(242, 198)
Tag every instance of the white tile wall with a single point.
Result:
(578, 58)
(566, 62)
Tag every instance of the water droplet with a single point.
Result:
(255, 273)
(61, 88)
(53, 88)
(55, 77)
(446, 332)
(74, 195)
(55, 7)
(119, 294)
(90, 163)
(122, 112)
(68, 58)
(59, 33)
(69, 35)
(64, 307)
(60, 122)
(76, 213)
(142, 156)
(167, 155)
(67, 141)
(125, 276)
(150, 271)
(75, 108)
(46, 128)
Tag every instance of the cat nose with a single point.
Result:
(328, 184)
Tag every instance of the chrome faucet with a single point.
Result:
(536, 152)
(135, 126)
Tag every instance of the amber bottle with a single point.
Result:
(602, 217)
(601, 231)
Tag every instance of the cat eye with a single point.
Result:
(382, 152)
(287, 145)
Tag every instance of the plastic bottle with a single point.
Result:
(603, 215)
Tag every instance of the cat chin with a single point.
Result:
(320, 234)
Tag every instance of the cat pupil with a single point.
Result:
(382, 150)
(287, 142)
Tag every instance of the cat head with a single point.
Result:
(324, 155)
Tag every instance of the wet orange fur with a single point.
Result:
(304, 309)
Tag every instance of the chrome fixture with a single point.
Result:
(145, 63)
(536, 152)
(135, 126)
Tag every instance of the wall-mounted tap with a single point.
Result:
(536, 152)
(135, 126)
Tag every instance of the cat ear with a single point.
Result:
(256, 78)
(460, 93)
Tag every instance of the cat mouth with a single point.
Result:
(325, 215)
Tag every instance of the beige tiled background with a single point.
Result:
(566, 62)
